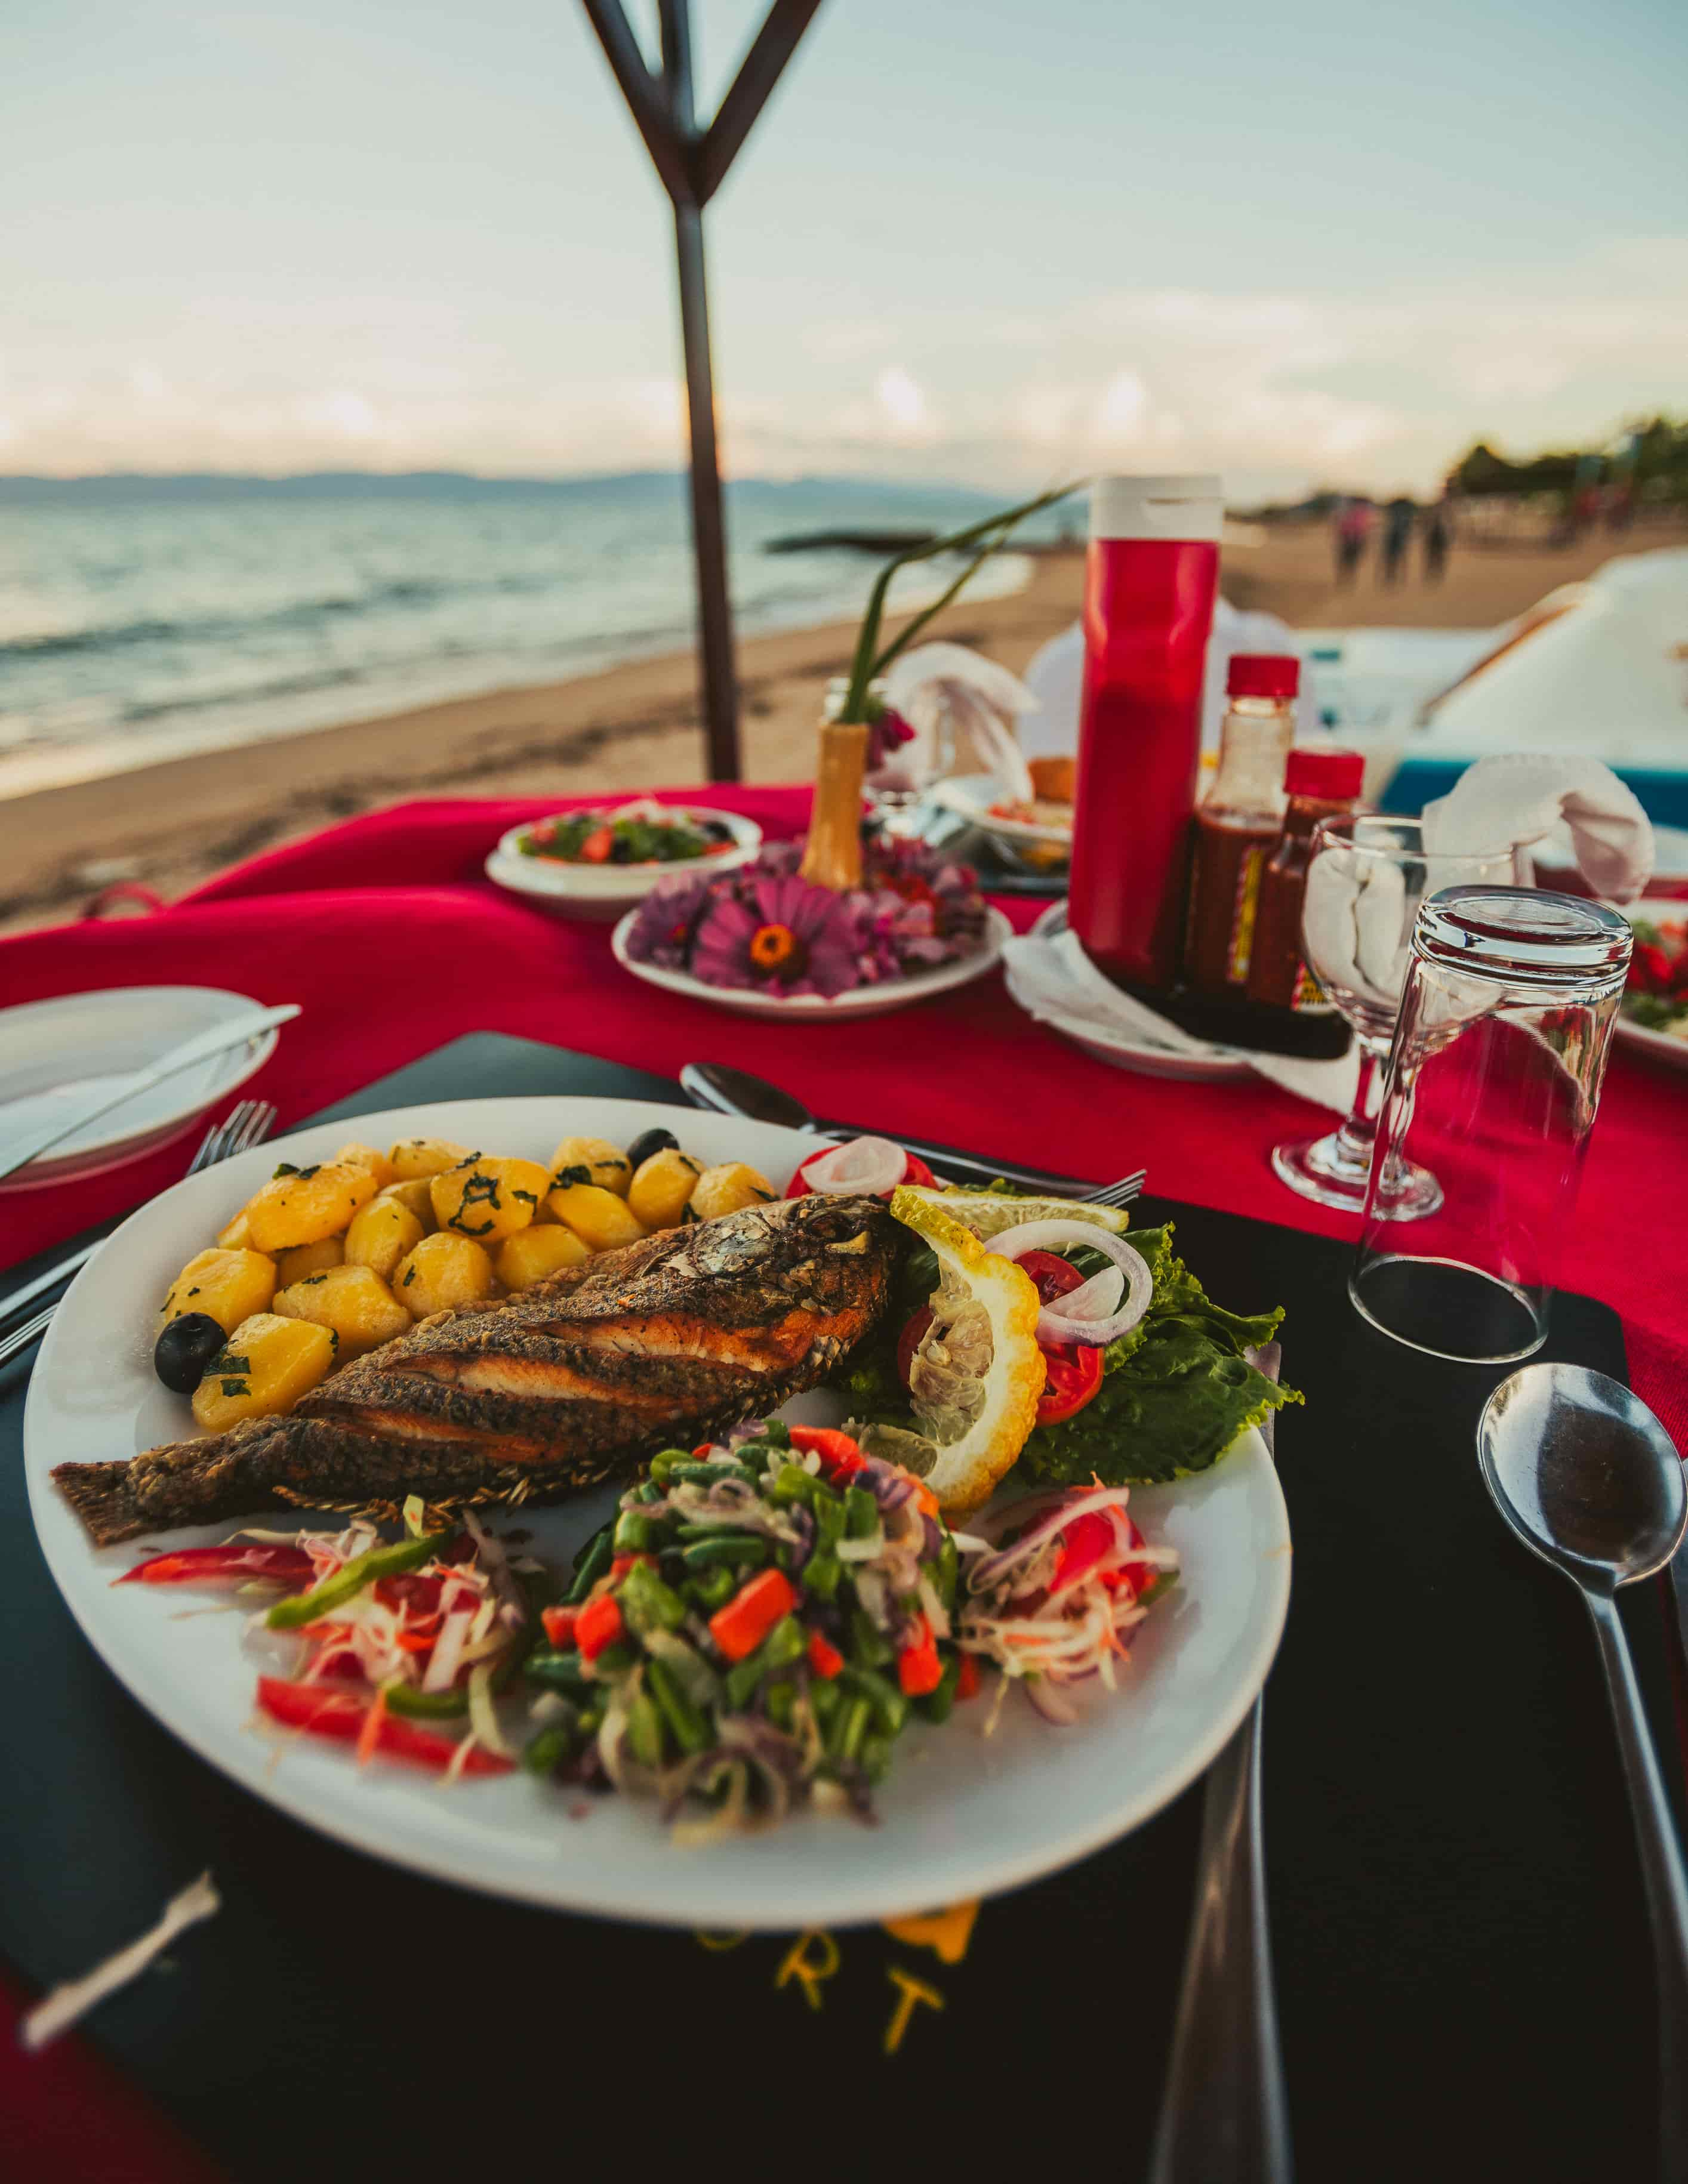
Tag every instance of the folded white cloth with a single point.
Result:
(938, 686)
(1519, 797)
(1053, 980)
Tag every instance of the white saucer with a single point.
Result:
(1119, 1048)
(61, 1051)
(971, 795)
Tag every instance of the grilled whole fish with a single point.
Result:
(675, 1338)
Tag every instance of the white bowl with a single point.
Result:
(606, 891)
(54, 1054)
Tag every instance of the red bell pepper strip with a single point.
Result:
(967, 1677)
(236, 1561)
(560, 1624)
(597, 1624)
(740, 1627)
(918, 1669)
(840, 1457)
(824, 1659)
(344, 1717)
(623, 1563)
(596, 848)
(1084, 1542)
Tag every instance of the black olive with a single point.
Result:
(653, 1141)
(184, 1350)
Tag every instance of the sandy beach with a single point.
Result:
(171, 825)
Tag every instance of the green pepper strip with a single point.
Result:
(302, 1608)
(648, 1604)
(712, 1588)
(822, 1575)
(710, 1475)
(935, 1704)
(861, 1514)
(596, 1557)
(949, 1564)
(717, 1547)
(868, 1648)
(634, 1533)
(793, 1484)
(890, 1705)
(687, 1721)
(644, 1731)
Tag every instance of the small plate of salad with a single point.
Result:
(1654, 1018)
(600, 861)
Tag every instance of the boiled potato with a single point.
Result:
(604, 1165)
(661, 1190)
(229, 1285)
(382, 1233)
(726, 1187)
(357, 1155)
(307, 1259)
(353, 1302)
(416, 1198)
(269, 1363)
(533, 1253)
(303, 1204)
(412, 1157)
(597, 1217)
(442, 1270)
(237, 1236)
(488, 1199)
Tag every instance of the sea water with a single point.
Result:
(146, 618)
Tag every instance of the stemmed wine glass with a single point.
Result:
(1365, 878)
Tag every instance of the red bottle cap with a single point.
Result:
(1263, 675)
(1333, 777)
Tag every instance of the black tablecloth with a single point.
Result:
(1462, 1956)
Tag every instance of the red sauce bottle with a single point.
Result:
(1239, 821)
(1322, 784)
(1150, 586)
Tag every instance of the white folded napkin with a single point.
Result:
(1521, 797)
(942, 685)
(1053, 980)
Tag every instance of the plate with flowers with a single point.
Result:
(763, 941)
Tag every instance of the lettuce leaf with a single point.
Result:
(1177, 1390)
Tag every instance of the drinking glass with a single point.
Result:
(1494, 1078)
(1365, 878)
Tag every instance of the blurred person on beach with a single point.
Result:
(1350, 527)
(1399, 518)
(1437, 535)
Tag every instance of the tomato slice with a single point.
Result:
(1072, 1373)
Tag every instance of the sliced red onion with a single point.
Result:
(1056, 1322)
(862, 1168)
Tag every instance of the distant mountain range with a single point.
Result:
(436, 485)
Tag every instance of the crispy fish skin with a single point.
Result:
(676, 1338)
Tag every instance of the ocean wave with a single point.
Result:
(298, 614)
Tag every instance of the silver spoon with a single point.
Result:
(1587, 1478)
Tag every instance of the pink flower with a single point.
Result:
(780, 932)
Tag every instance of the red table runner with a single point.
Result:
(387, 933)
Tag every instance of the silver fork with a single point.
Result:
(1116, 1194)
(245, 1126)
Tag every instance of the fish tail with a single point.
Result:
(100, 1494)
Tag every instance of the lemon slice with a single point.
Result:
(988, 1212)
(978, 1372)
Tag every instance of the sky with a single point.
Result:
(1000, 241)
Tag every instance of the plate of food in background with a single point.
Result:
(494, 1651)
(1653, 1018)
(1037, 834)
(600, 863)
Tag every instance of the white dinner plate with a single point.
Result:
(62, 1052)
(960, 1816)
(815, 1008)
(970, 796)
(1657, 1045)
(601, 892)
(1114, 1044)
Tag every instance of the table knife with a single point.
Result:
(206, 1045)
